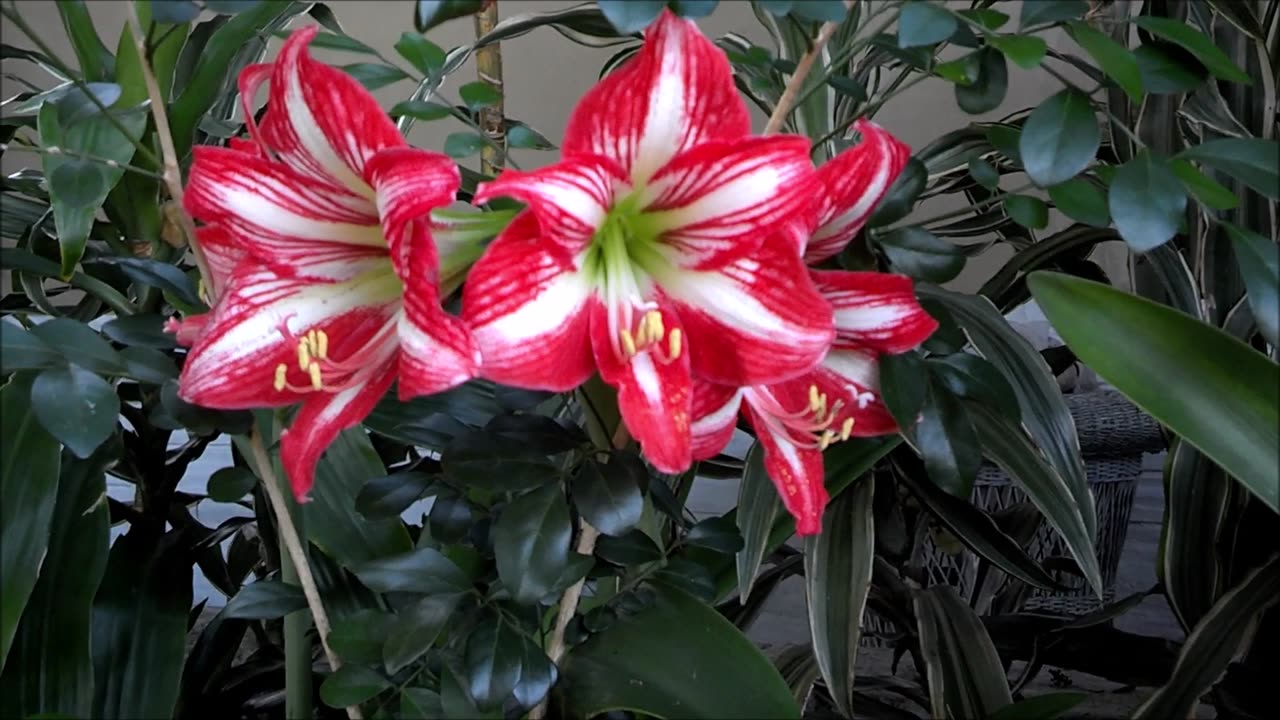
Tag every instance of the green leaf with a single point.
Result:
(923, 23)
(1006, 139)
(631, 16)
(421, 53)
(1047, 12)
(1081, 200)
(1249, 160)
(230, 7)
(451, 517)
(678, 658)
(455, 701)
(759, 507)
(29, 467)
(947, 442)
(51, 669)
(1007, 444)
(718, 533)
(390, 495)
(1027, 211)
(902, 195)
(478, 95)
(358, 637)
(1196, 43)
(632, 548)
(229, 484)
(1209, 192)
(1059, 139)
(22, 350)
(970, 376)
(95, 60)
(522, 136)
(920, 254)
(537, 674)
(421, 110)
(487, 460)
(1200, 502)
(1025, 51)
(173, 12)
(964, 674)
(492, 661)
(1113, 58)
(423, 570)
(420, 704)
(140, 626)
(1224, 405)
(536, 432)
(1147, 202)
(983, 173)
(904, 385)
(1164, 74)
(265, 600)
(693, 8)
(837, 571)
(819, 10)
(986, 92)
(1259, 262)
(531, 543)
(463, 144)
(429, 13)
(351, 685)
(75, 406)
(79, 343)
(1040, 707)
(415, 630)
(157, 274)
(375, 75)
(1210, 648)
(608, 497)
(77, 183)
(143, 331)
(1044, 412)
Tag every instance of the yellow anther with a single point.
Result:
(317, 382)
(281, 370)
(674, 341)
(304, 354)
(322, 345)
(846, 428)
(652, 326)
(628, 342)
(813, 398)
(827, 438)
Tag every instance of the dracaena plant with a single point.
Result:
(557, 365)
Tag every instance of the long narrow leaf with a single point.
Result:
(965, 676)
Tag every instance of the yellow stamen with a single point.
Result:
(813, 398)
(827, 438)
(322, 344)
(674, 343)
(846, 428)
(304, 354)
(317, 382)
(628, 342)
(281, 370)
(653, 325)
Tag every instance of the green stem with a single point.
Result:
(297, 649)
(967, 210)
(63, 152)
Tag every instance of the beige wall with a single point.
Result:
(545, 74)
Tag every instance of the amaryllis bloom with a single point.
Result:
(662, 247)
(875, 313)
(318, 237)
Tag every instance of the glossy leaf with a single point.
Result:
(1027, 211)
(924, 23)
(964, 674)
(902, 195)
(229, 484)
(1025, 51)
(1225, 404)
(678, 658)
(421, 110)
(986, 92)
(1059, 139)
(415, 630)
(945, 438)
(1146, 202)
(390, 495)
(1259, 262)
(632, 548)
(421, 53)
(1082, 201)
(631, 16)
(351, 685)
(1196, 43)
(1203, 188)
(78, 342)
(157, 274)
(23, 350)
(904, 386)
(424, 570)
(29, 466)
(493, 658)
(1165, 74)
(1045, 12)
(531, 543)
(920, 254)
(265, 600)
(1249, 160)
(478, 95)
(718, 533)
(429, 13)
(75, 406)
(1199, 505)
(1214, 642)
(1112, 58)
(94, 58)
(983, 173)
(970, 376)
(487, 460)
(608, 497)
(758, 508)
(837, 571)
(537, 674)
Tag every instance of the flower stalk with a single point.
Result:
(489, 69)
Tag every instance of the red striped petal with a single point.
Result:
(676, 93)
(756, 321)
(852, 378)
(875, 310)
(570, 199)
(717, 201)
(526, 305)
(320, 420)
(221, 252)
(796, 471)
(854, 182)
(321, 121)
(409, 183)
(715, 412)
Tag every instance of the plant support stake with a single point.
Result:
(489, 69)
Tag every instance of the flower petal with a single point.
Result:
(409, 183)
(318, 423)
(221, 252)
(283, 218)
(677, 92)
(850, 377)
(233, 363)
(526, 305)
(755, 321)
(321, 121)
(715, 412)
(570, 199)
(854, 182)
(654, 395)
(796, 471)
(875, 310)
(715, 202)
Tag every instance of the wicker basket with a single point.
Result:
(1113, 437)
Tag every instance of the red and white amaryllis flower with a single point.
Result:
(661, 247)
(875, 313)
(318, 234)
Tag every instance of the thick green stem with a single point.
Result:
(297, 650)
